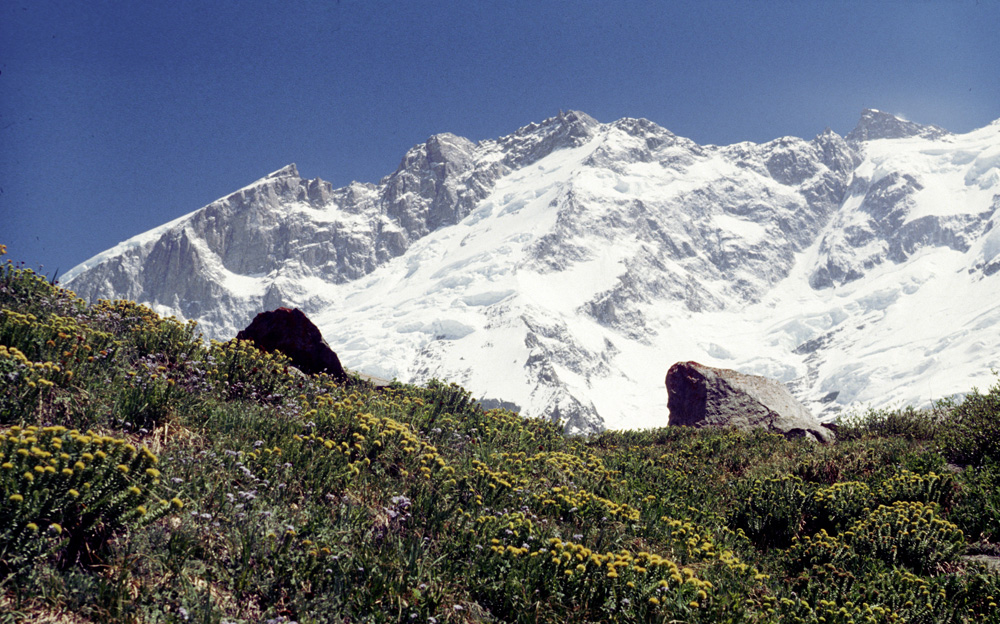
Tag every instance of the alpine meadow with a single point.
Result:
(150, 476)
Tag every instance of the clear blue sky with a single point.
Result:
(118, 116)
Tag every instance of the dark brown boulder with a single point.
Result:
(702, 396)
(292, 333)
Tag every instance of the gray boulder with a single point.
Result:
(702, 396)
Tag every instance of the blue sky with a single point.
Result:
(116, 117)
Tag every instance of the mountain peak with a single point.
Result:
(534, 141)
(875, 124)
(573, 116)
(552, 268)
(565, 123)
(289, 170)
(574, 124)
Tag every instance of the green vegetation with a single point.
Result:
(146, 476)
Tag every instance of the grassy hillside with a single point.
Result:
(146, 476)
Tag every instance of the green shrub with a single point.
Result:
(30, 293)
(971, 430)
(79, 488)
(907, 422)
(24, 383)
(522, 580)
(838, 505)
(770, 511)
(818, 550)
(141, 331)
(910, 486)
(976, 509)
(881, 594)
(145, 395)
(242, 371)
(909, 534)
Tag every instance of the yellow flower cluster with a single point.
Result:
(149, 330)
(67, 346)
(558, 466)
(913, 599)
(14, 354)
(905, 527)
(59, 332)
(903, 515)
(585, 465)
(689, 538)
(504, 420)
(503, 428)
(40, 374)
(842, 497)
(692, 541)
(906, 533)
(48, 446)
(513, 526)
(646, 574)
(908, 485)
(47, 469)
(369, 435)
(569, 500)
(125, 308)
(817, 549)
(241, 361)
(499, 480)
(831, 611)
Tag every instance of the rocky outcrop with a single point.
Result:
(702, 396)
(292, 333)
(876, 124)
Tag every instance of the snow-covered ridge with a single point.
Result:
(564, 267)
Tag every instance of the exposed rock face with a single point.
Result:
(545, 267)
(289, 331)
(702, 396)
(876, 124)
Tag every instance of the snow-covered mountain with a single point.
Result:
(562, 269)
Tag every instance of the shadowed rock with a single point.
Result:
(292, 333)
(702, 396)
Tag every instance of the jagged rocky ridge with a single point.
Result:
(563, 268)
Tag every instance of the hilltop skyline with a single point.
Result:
(118, 118)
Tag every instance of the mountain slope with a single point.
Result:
(563, 268)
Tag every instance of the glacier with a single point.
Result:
(562, 269)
